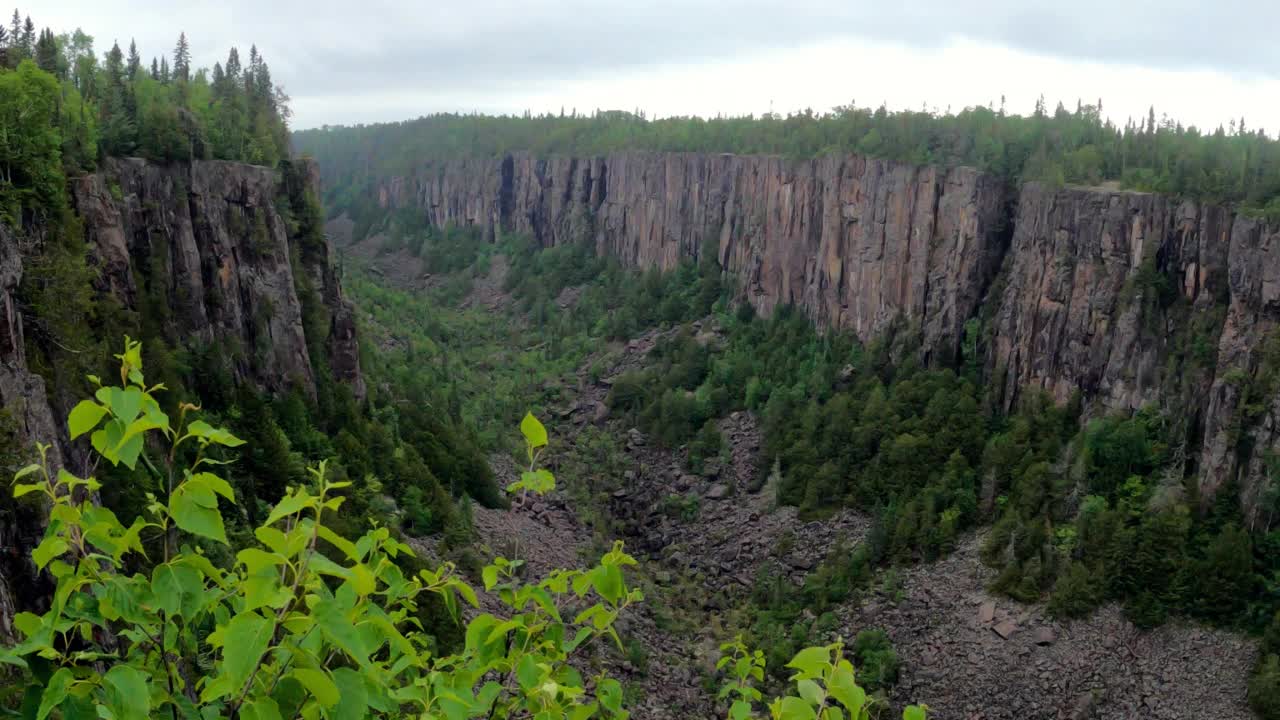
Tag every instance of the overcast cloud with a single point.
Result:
(381, 60)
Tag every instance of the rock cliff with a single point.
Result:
(1126, 298)
(857, 242)
(218, 246)
(219, 254)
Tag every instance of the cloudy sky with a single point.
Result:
(1200, 62)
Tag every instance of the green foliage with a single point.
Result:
(824, 685)
(68, 105)
(304, 623)
(31, 176)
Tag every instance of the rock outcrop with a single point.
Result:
(205, 245)
(1126, 299)
(217, 254)
(25, 417)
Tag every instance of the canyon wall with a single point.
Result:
(216, 249)
(1123, 299)
(856, 242)
(218, 255)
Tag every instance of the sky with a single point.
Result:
(1202, 63)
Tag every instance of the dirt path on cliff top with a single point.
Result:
(967, 653)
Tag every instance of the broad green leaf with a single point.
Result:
(127, 694)
(347, 547)
(335, 625)
(178, 589)
(204, 430)
(810, 691)
(20, 490)
(353, 702)
(362, 580)
(843, 688)
(194, 508)
(48, 549)
(318, 682)
(125, 403)
(810, 662)
(793, 708)
(261, 709)
(84, 417)
(609, 693)
(255, 559)
(607, 580)
(914, 712)
(534, 432)
(528, 674)
(246, 638)
(289, 505)
(54, 693)
(490, 576)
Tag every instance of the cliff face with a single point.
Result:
(209, 244)
(27, 417)
(855, 242)
(1129, 299)
(219, 254)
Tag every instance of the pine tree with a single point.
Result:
(182, 59)
(135, 61)
(4, 47)
(233, 65)
(15, 39)
(29, 37)
(164, 70)
(115, 66)
(46, 52)
(155, 69)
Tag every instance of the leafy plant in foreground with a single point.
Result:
(825, 687)
(305, 623)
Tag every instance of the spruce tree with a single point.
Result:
(182, 59)
(135, 61)
(15, 39)
(4, 47)
(46, 52)
(164, 70)
(155, 69)
(29, 37)
(233, 65)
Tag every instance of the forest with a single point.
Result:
(1235, 164)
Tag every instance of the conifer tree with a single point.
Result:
(233, 65)
(155, 69)
(135, 61)
(182, 59)
(4, 47)
(28, 37)
(164, 70)
(46, 52)
(15, 39)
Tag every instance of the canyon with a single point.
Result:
(1120, 299)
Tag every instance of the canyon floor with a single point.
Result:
(702, 540)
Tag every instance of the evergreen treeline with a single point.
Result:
(71, 107)
(1233, 164)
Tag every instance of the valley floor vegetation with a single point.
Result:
(149, 620)
(1075, 515)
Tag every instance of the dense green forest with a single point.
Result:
(1234, 164)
